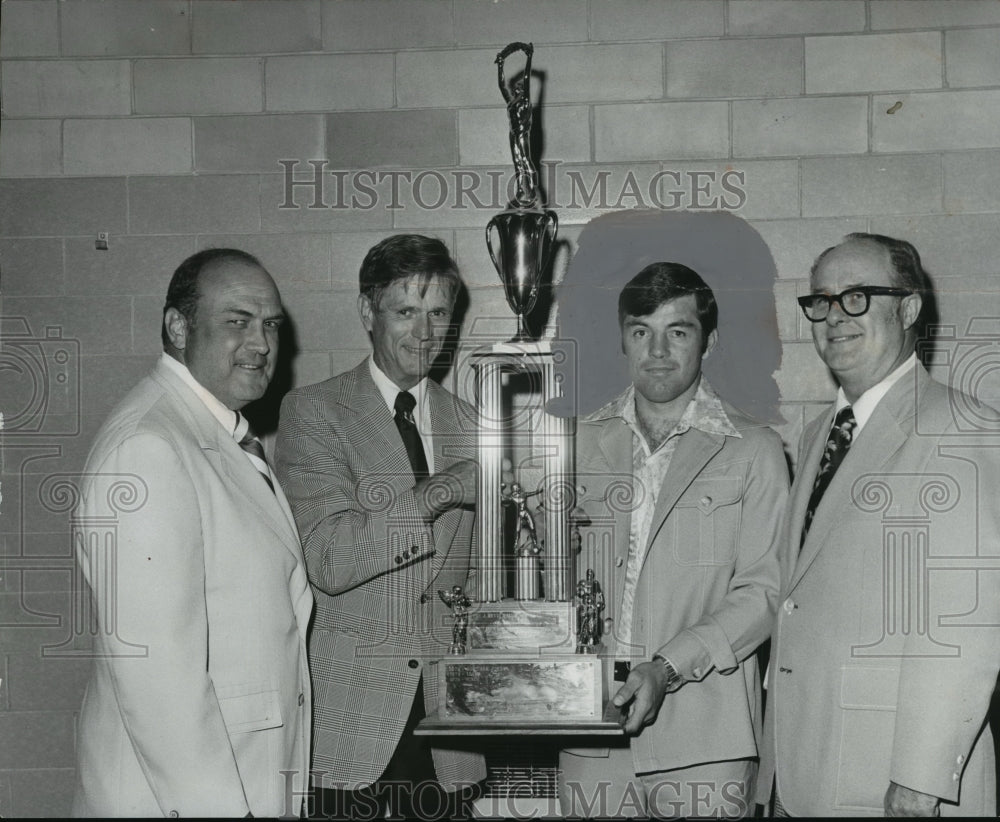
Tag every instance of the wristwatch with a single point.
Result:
(674, 679)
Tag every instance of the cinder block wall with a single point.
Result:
(162, 123)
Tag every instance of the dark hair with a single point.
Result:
(183, 294)
(403, 256)
(658, 283)
(907, 270)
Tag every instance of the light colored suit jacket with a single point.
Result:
(200, 696)
(709, 583)
(376, 568)
(886, 648)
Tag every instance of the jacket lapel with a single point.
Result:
(694, 450)
(214, 440)
(883, 435)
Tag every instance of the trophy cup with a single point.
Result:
(525, 234)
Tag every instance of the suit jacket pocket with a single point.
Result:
(706, 521)
(867, 699)
(254, 711)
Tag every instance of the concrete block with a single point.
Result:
(838, 186)
(123, 27)
(948, 120)
(653, 131)
(573, 74)
(30, 29)
(972, 57)
(107, 379)
(256, 143)
(76, 317)
(137, 145)
(60, 208)
(961, 244)
(638, 20)
(479, 22)
(972, 181)
(359, 25)
(770, 17)
(303, 201)
(147, 318)
(349, 250)
(191, 205)
(803, 377)
(30, 148)
(43, 793)
(809, 126)
(313, 367)
(483, 135)
(770, 67)
(57, 88)
(324, 321)
(931, 14)
(331, 82)
(788, 313)
(795, 244)
(873, 62)
(412, 139)
(257, 27)
(296, 260)
(131, 265)
(6, 797)
(46, 684)
(203, 85)
(32, 267)
(36, 739)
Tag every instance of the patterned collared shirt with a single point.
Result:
(649, 469)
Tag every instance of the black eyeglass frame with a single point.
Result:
(868, 290)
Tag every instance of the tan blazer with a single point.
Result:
(708, 586)
(200, 697)
(375, 567)
(886, 648)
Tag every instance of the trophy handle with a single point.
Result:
(490, 226)
(551, 230)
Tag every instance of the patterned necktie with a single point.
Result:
(405, 403)
(837, 445)
(255, 451)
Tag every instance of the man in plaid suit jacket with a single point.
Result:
(382, 532)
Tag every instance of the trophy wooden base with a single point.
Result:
(521, 676)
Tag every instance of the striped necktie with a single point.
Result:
(255, 453)
(405, 403)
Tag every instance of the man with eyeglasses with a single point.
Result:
(886, 649)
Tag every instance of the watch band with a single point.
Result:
(674, 679)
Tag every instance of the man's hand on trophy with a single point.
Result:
(451, 487)
(641, 696)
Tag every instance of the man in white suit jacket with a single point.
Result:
(886, 647)
(199, 703)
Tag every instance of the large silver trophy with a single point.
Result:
(525, 658)
(525, 233)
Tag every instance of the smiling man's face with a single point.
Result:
(862, 351)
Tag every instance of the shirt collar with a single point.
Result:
(865, 405)
(389, 390)
(704, 411)
(235, 424)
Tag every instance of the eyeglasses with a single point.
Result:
(853, 302)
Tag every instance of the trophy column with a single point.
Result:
(551, 438)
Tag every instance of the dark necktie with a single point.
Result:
(255, 451)
(405, 403)
(837, 445)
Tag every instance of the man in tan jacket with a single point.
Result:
(691, 492)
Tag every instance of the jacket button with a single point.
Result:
(175, 815)
(302, 699)
(960, 759)
(789, 606)
(415, 549)
(397, 559)
(406, 554)
(619, 562)
(706, 500)
(413, 664)
(696, 673)
(608, 625)
(423, 598)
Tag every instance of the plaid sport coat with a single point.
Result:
(375, 568)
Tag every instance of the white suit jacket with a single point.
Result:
(886, 647)
(199, 701)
